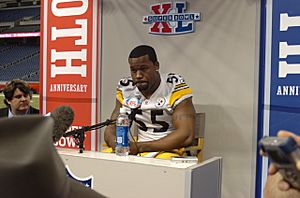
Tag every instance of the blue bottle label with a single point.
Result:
(122, 135)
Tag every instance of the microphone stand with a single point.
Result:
(79, 134)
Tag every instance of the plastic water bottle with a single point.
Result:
(122, 128)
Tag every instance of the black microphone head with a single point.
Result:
(63, 118)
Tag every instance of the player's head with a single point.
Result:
(144, 68)
(142, 50)
(17, 95)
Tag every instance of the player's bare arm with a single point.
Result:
(110, 131)
(184, 122)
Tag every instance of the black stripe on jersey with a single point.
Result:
(180, 88)
(180, 85)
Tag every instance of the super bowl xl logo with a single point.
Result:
(171, 18)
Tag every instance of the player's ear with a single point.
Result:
(156, 65)
(8, 101)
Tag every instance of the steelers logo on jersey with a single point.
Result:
(160, 102)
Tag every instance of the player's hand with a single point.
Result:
(112, 144)
(133, 148)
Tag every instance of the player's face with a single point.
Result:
(19, 104)
(143, 72)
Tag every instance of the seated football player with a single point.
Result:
(166, 117)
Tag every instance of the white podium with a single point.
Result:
(140, 177)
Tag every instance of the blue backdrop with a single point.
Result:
(279, 94)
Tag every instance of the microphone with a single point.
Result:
(63, 118)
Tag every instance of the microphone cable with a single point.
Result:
(134, 142)
(131, 119)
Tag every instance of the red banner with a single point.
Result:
(69, 62)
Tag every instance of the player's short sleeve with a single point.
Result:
(125, 84)
(180, 89)
(119, 96)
